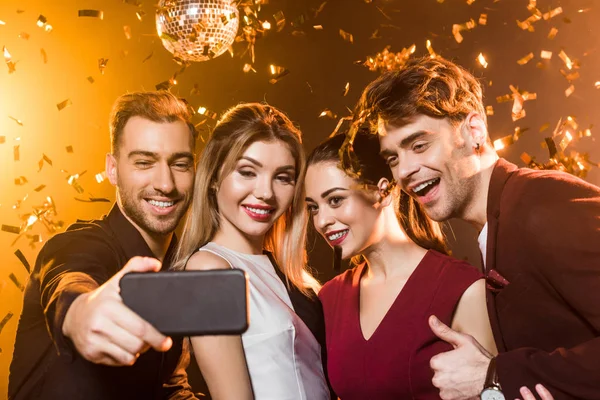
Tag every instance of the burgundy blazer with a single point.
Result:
(543, 274)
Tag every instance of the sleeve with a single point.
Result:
(69, 265)
(178, 387)
(569, 259)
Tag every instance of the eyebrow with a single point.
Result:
(327, 193)
(259, 164)
(156, 156)
(404, 142)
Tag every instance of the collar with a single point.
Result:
(502, 171)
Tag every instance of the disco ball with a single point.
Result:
(197, 30)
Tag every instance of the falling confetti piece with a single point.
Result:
(90, 79)
(41, 21)
(483, 19)
(563, 56)
(18, 284)
(546, 55)
(525, 59)
(11, 229)
(102, 64)
(63, 104)
(140, 14)
(91, 13)
(2, 22)
(18, 121)
(318, 27)
(552, 13)
(348, 37)
(24, 35)
(597, 84)
(544, 127)
(552, 33)
(346, 89)
(2, 139)
(569, 90)
(39, 188)
(457, 28)
(430, 50)
(248, 67)
(23, 260)
(482, 60)
(127, 31)
(20, 181)
(489, 110)
(93, 200)
(327, 113)
(279, 20)
(277, 72)
(16, 153)
(44, 56)
(5, 320)
(148, 57)
(207, 113)
(101, 177)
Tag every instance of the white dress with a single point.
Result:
(283, 356)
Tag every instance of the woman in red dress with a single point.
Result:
(379, 343)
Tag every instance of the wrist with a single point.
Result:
(71, 315)
(491, 386)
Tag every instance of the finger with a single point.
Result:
(124, 339)
(526, 393)
(543, 392)
(446, 333)
(108, 353)
(136, 264)
(140, 328)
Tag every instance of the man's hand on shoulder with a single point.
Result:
(104, 330)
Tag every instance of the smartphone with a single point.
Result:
(189, 303)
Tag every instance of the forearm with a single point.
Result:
(566, 373)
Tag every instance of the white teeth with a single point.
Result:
(424, 185)
(259, 210)
(337, 235)
(162, 204)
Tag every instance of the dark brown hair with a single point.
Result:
(161, 106)
(434, 87)
(372, 167)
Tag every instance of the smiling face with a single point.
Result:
(258, 191)
(433, 160)
(154, 173)
(342, 214)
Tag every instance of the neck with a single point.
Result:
(393, 253)
(232, 238)
(476, 212)
(158, 244)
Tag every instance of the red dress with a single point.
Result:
(394, 362)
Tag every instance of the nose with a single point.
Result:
(164, 181)
(264, 189)
(407, 166)
(323, 219)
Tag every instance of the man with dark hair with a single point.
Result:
(539, 235)
(76, 339)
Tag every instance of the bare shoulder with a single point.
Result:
(475, 292)
(206, 260)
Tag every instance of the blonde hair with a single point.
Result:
(237, 129)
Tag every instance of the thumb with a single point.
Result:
(136, 264)
(446, 333)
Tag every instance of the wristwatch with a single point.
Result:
(491, 387)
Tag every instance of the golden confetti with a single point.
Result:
(41, 21)
(566, 140)
(21, 181)
(207, 113)
(248, 67)
(140, 14)
(24, 261)
(570, 77)
(24, 35)
(16, 153)
(482, 60)
(2, 139)
(11, 229)
(149, 56)
(2, 22)
(346, 36)
(569, 90)
(327, 113)
(63, 104)
(18, 121)
(489, 110)
(563, 56)
(544, 127)
(432, 53)
(266, 25)
(102, 64)
(18, 284)
(552, 33)
(127, 31)
(346, 89)
(90, 79)
(546, 55)
(457, 28)
(552, 13)
(318, 27)
(101, 177)
(525, 59)
(91, 13)
(93, 200)
(279, 20)
(387, 61)
(5, 320)
(39, 188)
(483, 19)
(469, 2)
(44, 56)
(597, 84)
(9, 63)
(503, 142)
(277, 72)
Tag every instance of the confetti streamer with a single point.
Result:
(91, 13)
(18, 284)
(5, 320)
(23, 260)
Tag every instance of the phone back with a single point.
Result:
(189, 303)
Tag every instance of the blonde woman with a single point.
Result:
(248, 212)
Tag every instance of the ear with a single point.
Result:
(110, 166)
(385, 189)
(476, 130)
